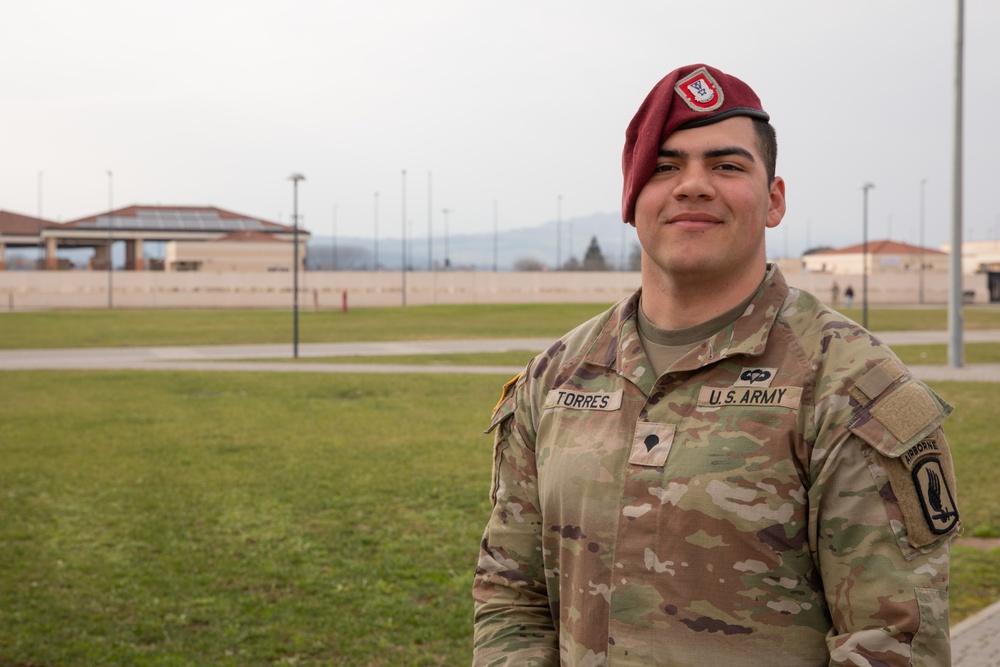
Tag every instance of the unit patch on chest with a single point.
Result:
(767, 397)
(575, 399)
(756, 377)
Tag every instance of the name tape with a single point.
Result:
(777, 397)
(584, 400)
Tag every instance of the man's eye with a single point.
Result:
(729, 167)
(663, 167)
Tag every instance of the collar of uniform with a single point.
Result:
(748, 334)
(618, 346)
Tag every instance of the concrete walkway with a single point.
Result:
(975, 640)
(279, 357)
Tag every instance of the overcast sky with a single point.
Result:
(217, 102)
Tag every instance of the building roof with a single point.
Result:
(882, 247)
(15, 224)
(250, 236)
(178, 218)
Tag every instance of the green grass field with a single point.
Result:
(178, 518)
(122, 328)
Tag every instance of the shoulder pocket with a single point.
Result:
(901, 420)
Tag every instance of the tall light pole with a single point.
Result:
(447, 261)
(430, 222)
(404, 238)
(111, 226)
(923, 182)
(558, 232)
(866, 186)
(955, 316)
(333, 255)
(496, 218)
(375, 235)
(38, 254)
(295, 178)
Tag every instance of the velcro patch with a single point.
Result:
(758, 397)
(878, 379)
(906, 411)
(574, 399)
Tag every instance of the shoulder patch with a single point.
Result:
(505, 406)
(506, 390)
(934, 493)
(922, 480)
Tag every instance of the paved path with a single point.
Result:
(975, 640)
(243, 357)
(273, 357)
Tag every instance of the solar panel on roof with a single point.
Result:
(174, 220)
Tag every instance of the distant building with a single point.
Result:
(239, 251)
(883, 257)
(136, 225)
(979, 256)
(20, 231)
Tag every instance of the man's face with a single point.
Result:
(703, 213)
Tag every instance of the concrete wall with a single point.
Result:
(39, 290)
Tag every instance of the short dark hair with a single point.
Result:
(767, 143)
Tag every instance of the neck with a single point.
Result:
(681, 301)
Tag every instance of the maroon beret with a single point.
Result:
(690, 96)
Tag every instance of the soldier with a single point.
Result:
(719, 469)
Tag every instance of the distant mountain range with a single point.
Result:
(539, 245)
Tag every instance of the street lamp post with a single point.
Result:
(447, 260)
(558, 231)
(38, 254)
(956, 316)
(375, 235)
(430, 221)
(866, 186)
(404, 238)
(923, 182)
(295, 178)
(111, 226)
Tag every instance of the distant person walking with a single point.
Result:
(849, 296)
(835, 294)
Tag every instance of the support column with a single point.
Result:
(130, 255)
(51, 256)
(102, 255)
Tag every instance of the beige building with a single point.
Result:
(979, 256)
(882, 257)
(240, 251)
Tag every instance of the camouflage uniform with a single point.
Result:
(783, 495)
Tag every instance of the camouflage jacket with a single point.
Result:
(783, 495)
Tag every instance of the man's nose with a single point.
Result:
(694, 182)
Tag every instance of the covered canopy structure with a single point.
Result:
(134, 226)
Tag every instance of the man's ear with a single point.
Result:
(776, 211)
